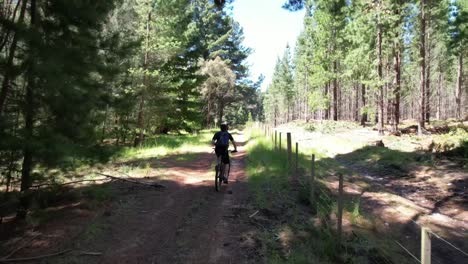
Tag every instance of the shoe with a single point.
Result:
(225, 181)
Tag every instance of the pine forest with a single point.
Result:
(234, 131)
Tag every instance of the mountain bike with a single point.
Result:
(220, 173)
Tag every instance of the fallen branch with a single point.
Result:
(155, 185)
(86, 253)
(67, 183)
(35, 258)
(20, 247)
(89, 253)
(252, 215)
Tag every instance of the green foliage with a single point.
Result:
(103, 75)
(454, 143)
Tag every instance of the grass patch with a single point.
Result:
(294, 232)
(290, 234)
(163, 145)
(381, 159)
(454, 143)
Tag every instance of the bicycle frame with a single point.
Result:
(220, 172)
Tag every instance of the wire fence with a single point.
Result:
(327, 203)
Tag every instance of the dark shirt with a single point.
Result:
(217, 136)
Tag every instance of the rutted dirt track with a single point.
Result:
(187, 222)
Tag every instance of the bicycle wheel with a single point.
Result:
(218, 176)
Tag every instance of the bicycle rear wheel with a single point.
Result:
(218, 177)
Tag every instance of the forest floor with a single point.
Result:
(186, 221)
(396, 189)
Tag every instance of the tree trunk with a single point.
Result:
(422, 68)
(221, 112)
(335, 92)
(396, 88)
(439, 88)
(141, 108)
(428, 73)
(327, 110)
(364, 110)
(9, 69)
(458, 90)
(26, 177)
(276, 116)
(379, 71)
(356, 103)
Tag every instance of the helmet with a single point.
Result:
(224, 127)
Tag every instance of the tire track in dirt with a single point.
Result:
(186, 223)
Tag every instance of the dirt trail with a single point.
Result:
(188, 222)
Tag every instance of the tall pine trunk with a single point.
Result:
(379, 71)
(428, 72)
(335, 92)
(439, 96)
(220, 111)
(141, 108)
(458, 90)
(27, 165)
(396, 88)
(363, 100)
(356, 103)
(327, 110)
(422, 69)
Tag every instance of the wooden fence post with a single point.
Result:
(297, 159)
(425, 246)
(312, 184)
(289, 149)
(340, 207)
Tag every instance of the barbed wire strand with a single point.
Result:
(407, 251)
(439, 237)
(452, 245)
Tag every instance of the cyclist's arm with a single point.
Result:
(233, 142)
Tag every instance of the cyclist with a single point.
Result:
(221, 142)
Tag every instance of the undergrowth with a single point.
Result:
(295, 232)
(329, 126)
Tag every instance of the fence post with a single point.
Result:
(340, 207)
(312, 184)
(425, 246)
(289, 149)
(297, 159)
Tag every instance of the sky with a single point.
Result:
(268, 28)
